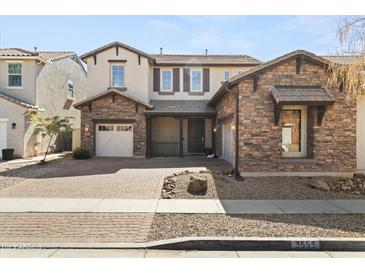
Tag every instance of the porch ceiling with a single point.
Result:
(181, 107)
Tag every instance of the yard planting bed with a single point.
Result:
(221, 186)
(168, 226)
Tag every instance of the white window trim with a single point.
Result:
(224, 75)
(73, 89)
(161, 78)
(191, 80)
(21, 74)
(303, 135)
(111, 74)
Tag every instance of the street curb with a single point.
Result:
(215, 244)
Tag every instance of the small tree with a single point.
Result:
(350, 74)
(52, 127)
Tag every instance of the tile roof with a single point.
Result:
(180, 106)
(205, 59)
(45, 56)
(18, 102)
(344, 59)
(257, 69)
(112, 91)
(298, 94)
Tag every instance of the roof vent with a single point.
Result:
(161, 51)
(206, 52)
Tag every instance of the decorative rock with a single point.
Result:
(198, 184)
(320, 184)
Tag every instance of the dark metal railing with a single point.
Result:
(165, 148)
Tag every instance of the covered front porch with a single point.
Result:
(180, 128)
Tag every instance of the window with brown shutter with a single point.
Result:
(206, 80)
(186, 79)
(156, 79)
(176, 79)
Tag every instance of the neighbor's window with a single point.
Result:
(15, 75)
(70, 89)
(294, 132)
(166, 79)
(117, 75)
(196, 80)
(226, 75)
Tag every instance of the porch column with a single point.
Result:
(148, 137)
(181, 137)
(213, 134)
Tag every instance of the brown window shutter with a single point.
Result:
(206, 80)
(156, 79)
(186, 79)
(176, 79)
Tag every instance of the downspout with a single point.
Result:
(236, 166)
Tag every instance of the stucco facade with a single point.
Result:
(43, 90)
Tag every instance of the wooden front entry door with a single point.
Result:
(196, 135)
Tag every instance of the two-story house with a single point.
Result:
(143, 104)
(46, 82)
(278, 116)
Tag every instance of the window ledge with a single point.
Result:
(196, 93)
(14, 87)
(297, 161)
(166, 93)
(118, 88)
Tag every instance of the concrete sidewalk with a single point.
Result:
(11, 205)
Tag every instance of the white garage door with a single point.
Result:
(227, 142)
(3, 139)
(114, 140)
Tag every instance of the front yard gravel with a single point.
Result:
(257, 188)
(13, 173)
(168, 226)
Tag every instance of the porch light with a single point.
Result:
(214, 129)
(13, 125)
(86, 129)
(233, 127)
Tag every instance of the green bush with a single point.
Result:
(8, 154)
(81, 154)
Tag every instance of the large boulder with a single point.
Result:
(320, 184)
(198, 184)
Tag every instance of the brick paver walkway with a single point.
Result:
(74, 227)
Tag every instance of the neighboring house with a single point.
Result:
(261, 117)
(152, 105)
(44, 82)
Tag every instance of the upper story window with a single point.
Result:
(226, 75)
(70, 89)
(166, 80)
(117, 75)
(14, 74)
(196, 80)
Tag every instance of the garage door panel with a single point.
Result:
(114, 140)
(227, 142)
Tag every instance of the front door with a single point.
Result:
(196, 136)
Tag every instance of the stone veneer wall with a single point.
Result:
(122, 108)
(332, 146)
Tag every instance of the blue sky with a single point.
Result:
(263, 37)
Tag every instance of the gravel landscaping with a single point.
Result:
(12, 173)
(168, 226)
(221, 186)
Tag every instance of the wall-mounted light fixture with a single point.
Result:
(233, 127)
(86, 129)
(13, 125)
(215, 129)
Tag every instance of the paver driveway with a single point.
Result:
(107, 178)
(101, 178)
